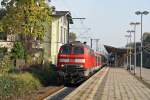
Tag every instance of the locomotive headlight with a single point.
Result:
(63, 60)
(62, 65)
(80, 60)
(81, 66)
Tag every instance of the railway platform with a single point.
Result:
(111, 84)
(145, 74)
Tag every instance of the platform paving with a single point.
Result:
(89, 88)
(117, 84)
(145, 74)
(120, 85)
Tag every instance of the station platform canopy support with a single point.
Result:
(116, 56)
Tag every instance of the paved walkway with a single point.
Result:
(88, 89)
(145, 74)
(120, 85)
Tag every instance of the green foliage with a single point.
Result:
(45, 74)
(18, 51)
(15, 86)
(3, 36)
(2, 52)
(5, 64)
(146, 50)
(29, 59)
(26, 17)
(73, 36)
(2, 13)
(147, 39)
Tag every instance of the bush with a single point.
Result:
(2, 52)
(18, 51)
(45, 74)
(14, 86)
(5, 64)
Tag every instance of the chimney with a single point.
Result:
(84, 43)
(53, 10)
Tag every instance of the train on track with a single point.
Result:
(77, 61)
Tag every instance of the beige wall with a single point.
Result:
(8, 43)
(58, 37)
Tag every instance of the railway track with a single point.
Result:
(64, 92)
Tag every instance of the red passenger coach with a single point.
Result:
(76, 61)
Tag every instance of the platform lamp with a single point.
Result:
(134, 24)
(141, 13)
(127, 36)
(130, 31)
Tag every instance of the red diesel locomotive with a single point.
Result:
(77, 61)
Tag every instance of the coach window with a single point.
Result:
(78, 50)
(66, 50)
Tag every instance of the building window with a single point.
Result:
(61, 35)
(65, 21)
(64, 35)
(62, 19)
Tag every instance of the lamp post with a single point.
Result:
(130, 31)
(141, 13)
(134, 24)
(127, 36)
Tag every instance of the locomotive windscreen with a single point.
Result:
(78, 50)
(66, 50)
(71, 49)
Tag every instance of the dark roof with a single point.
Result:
(111, 49)
(63, 13)
(77, 43)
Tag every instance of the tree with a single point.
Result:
(26, 17)
(18, 51)
(73, 36)
(146, 37)
(2, 13)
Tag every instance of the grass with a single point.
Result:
(16, 85)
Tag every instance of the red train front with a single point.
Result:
(76, 61)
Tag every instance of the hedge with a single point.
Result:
(15, 86)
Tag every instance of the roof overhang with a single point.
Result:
(115, 50)
(63, 13)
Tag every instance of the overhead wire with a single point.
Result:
(83, 28)
(83, 32)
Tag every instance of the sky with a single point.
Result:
(107, 20)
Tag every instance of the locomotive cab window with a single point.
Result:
(65, 50)
(78, 50)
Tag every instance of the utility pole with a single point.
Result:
(97, 40)
(141, 14)
(130, 52)
(69, 27)
(91, 42)
(134, 24)
(127, 36)
(68, 35)
(97, 48)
